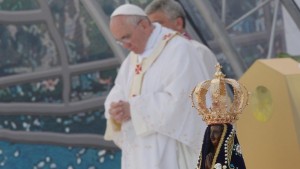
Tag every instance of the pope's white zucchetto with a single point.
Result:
(128, 9)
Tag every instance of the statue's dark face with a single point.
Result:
(215, 134)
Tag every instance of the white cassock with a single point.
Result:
(164, 132)
(206, 56)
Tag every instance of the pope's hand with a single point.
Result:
(120, 111)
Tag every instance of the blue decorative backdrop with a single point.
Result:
(29, 156)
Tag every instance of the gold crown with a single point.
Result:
(222, 109)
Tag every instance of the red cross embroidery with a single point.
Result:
(167, 36)
(138, 69)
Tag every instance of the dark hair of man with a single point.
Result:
(171, 8)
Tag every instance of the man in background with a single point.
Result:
(170, 14)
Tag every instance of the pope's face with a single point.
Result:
(130, 36)
(215, 134)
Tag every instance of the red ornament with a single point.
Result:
(166, 36)
(138, 69)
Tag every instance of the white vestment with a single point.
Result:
(164, 132)
(207, 57)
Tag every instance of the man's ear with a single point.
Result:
(179, 24)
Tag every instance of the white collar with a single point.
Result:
(152, 41)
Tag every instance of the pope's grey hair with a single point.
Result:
(171, 8)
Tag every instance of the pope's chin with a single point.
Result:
(136, 51)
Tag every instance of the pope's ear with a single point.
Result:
(145, 23)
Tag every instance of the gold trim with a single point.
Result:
(219, 146)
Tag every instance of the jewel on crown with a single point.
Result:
(222, 108)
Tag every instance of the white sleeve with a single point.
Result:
(117, 93)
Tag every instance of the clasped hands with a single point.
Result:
(120, 111)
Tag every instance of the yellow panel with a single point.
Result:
(293, 82)
(269, 140)
(285, 66)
